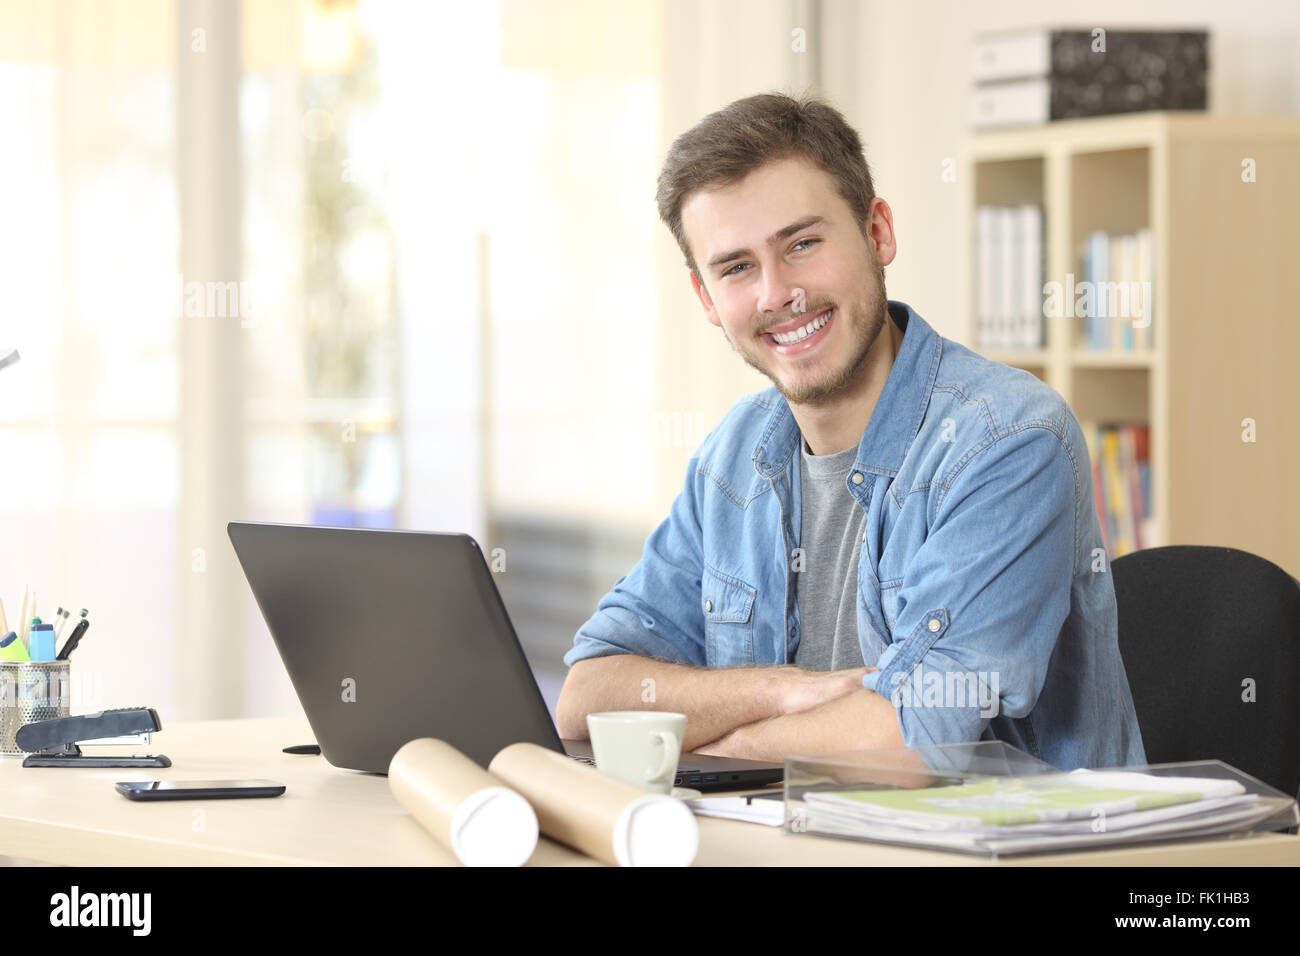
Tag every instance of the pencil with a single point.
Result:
(24, 615)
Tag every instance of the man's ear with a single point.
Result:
(710, 313)
(879, 228)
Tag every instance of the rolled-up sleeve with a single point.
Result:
(983, 600)
(654, 610)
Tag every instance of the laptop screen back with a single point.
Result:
(392, 635)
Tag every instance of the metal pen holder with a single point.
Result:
(31, 691)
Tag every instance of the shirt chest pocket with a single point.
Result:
(728, 605)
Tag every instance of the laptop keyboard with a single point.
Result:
(591, 762)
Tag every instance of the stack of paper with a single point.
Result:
(1031, 814)
(766, 809)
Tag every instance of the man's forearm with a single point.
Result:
(715, 702)
(861, 720)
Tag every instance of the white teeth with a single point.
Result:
(798, 335)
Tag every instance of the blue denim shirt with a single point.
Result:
(984, 593)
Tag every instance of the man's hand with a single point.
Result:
(859, 720)
(800, 690)
(797, 691)
(715, 701)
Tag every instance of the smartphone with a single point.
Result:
(197, 789)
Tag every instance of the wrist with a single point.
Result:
(774, 691)
(733, 739)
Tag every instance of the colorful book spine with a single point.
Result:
(1116, 291)
(1091, 434)
(1121, 477)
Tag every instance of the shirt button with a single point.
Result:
(857, 477)
(708, 605)
(934, 624)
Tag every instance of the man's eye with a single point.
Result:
(733, 269)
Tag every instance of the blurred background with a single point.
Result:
(391, 264)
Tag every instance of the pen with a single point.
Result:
(60, 619)
(75, 637)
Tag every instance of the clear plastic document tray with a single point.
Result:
(990, 799)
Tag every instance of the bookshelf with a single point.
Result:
(1225, 284)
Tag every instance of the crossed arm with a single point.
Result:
(758, 713)
(858, 720)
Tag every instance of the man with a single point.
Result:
(902, 531)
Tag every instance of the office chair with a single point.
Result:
(1195, 623)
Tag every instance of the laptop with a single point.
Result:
(392, 635)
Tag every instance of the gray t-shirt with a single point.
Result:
(827, 587)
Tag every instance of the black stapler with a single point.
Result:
(53, 743)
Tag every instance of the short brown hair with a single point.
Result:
(728, 145)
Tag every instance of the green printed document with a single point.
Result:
(996, 803)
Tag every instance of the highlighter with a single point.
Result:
(12, 649)
(40, 643)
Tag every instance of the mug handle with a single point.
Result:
(669, 763)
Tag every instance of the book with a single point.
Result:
(1114, 292)
(1116, 500)
(1121, 478)
(1091, 435)
(1009, 276)
(1030, 284)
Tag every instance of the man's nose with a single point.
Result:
(778, 292)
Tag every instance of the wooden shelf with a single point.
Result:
(1221, 265)
(1085, 358)
(1020, 358)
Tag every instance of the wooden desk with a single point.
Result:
(329, 816)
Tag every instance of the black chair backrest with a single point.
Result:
(1202, 630)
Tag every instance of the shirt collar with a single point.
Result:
(896, 417)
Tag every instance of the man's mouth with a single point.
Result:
(803, 336)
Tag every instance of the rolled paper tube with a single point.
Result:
(607, 819)
(464, 807)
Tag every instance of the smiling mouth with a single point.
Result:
(802, 335)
